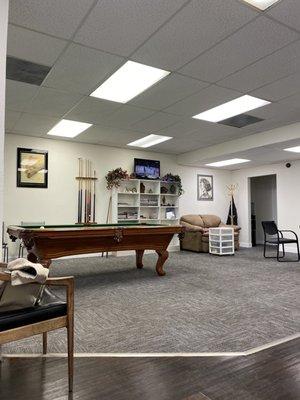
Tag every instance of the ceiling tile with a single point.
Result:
(34, 124)
(52, 102)
(126, 116)
(280, 89)
(183, 128)
(203, 100)
(121, 26)
(197, 140)
(108, 136)
(18, 94)
(56, 17)
(257, 39)
(81, 69)
(291, 101)
(282, 63)
(33, 46)
(180, 145)
(288, 12)
(271, 111)
(286, 118)
(171, 89)
(198, 26)
(92, 110)
(11, 117)
(155, 122)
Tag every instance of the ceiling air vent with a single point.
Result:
(25, 71)
(239, 121)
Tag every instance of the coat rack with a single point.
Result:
(231, 190)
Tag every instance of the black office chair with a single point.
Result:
(274, 237)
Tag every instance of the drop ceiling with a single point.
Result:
(216, 51)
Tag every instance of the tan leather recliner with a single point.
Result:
(197, 231)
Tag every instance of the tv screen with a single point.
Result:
(146, 169)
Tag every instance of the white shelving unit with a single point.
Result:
(140, 200)
(221, 241)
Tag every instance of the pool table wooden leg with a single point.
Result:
(33, 258)
(162, 257)
(139, 258)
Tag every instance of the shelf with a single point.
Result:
(128, 193)
(123, 206)
(149, 205)
(127, 219)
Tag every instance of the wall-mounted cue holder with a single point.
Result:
(86, 192)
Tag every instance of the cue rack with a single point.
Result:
(86, 192)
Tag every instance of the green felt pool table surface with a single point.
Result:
(89, 226)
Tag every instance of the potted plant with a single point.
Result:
(176, 179)
(114, 177)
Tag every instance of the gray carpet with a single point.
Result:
(204, 303)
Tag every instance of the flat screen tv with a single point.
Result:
(146, 169)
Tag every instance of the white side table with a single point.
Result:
(221, 241)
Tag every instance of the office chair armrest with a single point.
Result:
(285, 230)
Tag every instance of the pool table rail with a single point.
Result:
(44, 244)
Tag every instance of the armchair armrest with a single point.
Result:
(236, 228)
(67, 281)
(55, 281)
(192, 228)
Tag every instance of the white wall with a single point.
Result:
(58, 203)
(3, 37)
(264, 198)
(288, 196)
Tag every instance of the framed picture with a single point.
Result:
(32, 168)
(205, 187)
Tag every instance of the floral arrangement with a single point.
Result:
(114, 177)
(174, 178)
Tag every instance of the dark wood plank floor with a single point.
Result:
(272, 374)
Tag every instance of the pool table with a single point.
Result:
(52, 241)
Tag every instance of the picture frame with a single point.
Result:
(205, 187)
(32, 168)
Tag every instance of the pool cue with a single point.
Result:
(94, 190)
(81, 190)
(85, 191)
(89, 191)
(78, 219)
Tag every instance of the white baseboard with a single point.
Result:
(245, 244)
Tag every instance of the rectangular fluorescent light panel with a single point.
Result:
(68, 128)
(129, 81)
(224, 163)
(149, 140)
(293, 149)
(231, 108)
(261, 4)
